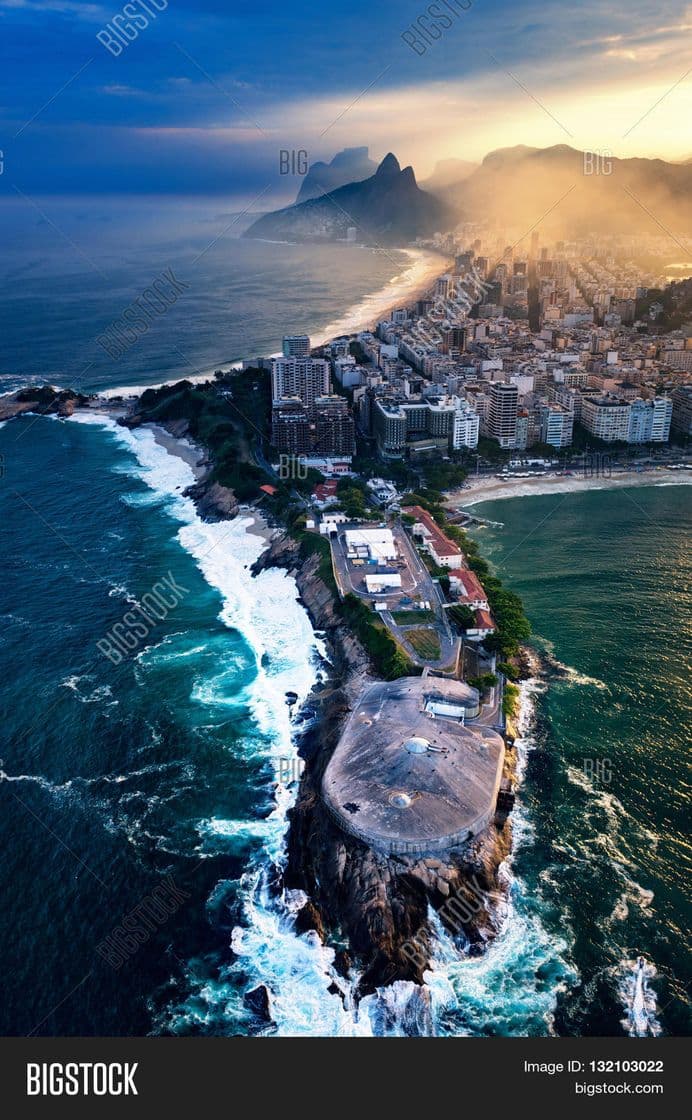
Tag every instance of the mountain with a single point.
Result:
(389, 206)
(448, 173)
(572, 192)
(350, 166)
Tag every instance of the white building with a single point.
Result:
(376, 544)
(606, 418)
(383, 492)
(502, 413)
(650, 420)
(381, 581)
(556, 425)
(305, 378)
(465, 426)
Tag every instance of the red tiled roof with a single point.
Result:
(471, 585)
(443, 545)
(484, 620)
(271, 490)
(325, 490)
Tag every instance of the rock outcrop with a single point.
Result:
(214, 502)
(379, 904)
(389, 206)
(44, 400)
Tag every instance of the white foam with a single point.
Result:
(265, 609)
(511, 988)
(638, 998)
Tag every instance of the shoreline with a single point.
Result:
(499, 489)
(413, 283)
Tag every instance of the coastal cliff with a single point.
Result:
(382, 906)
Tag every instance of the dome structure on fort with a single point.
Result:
(417, 745)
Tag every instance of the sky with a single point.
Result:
(203, 98)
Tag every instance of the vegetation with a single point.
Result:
(426, 643)
(437, 475)
(312, 544)
(509, 699)
(228, 417)
(489, 449)
(484, 683)
(513, 627)
(397, 471)
(410, 618)
(676, 300)
(352, 494)
(511, 672)
(461, 616)
(388, 659)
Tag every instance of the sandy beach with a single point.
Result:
(185, 449)
(410, 285)
(493, 489)
(416, 281)
(196, 458)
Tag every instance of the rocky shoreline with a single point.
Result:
(380, 908)
(378, 905)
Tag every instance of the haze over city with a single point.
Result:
(204, 97)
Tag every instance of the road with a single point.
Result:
(416, 581)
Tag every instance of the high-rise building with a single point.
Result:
(502, 413)
(606, 418)
(522, 437)
(305, 378)
(291, 427)
(465, 426)
(333, 429)
(327, 430)
(443, 287)
(389, 427)
(650, 420)
(681, 399)
(296, 346)
(453, 338)
(556, 425)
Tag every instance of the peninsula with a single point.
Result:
(362, 454)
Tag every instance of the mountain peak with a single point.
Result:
(351, 165)
(389, 166)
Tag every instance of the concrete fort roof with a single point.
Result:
(408, 775)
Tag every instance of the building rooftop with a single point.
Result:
(471, 586)
(408, 775)
(443, 545)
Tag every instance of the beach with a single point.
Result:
(415, 281)
(491, 489)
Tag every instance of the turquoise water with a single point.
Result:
(117, 777)
(603, 862)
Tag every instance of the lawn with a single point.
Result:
(425, 642)
(412, 617)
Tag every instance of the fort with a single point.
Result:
(415, 771)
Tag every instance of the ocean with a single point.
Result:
(155, 777)
(70, 268)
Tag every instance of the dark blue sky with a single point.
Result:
(205, 96)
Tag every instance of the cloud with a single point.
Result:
(59, 7)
